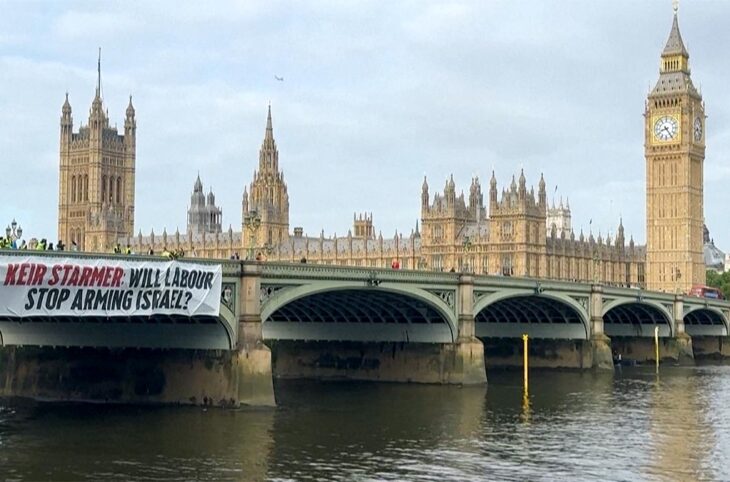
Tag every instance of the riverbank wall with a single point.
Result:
(450, 363)
(139, 376)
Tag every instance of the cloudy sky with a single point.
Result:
(375, 96)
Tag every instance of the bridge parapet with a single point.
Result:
(230, 267)
(692, 303)
(292, 271)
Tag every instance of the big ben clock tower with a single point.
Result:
(675, 152)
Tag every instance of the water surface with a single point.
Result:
(633, 425)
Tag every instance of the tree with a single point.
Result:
(720, 281)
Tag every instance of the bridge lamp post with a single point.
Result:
(397, 251)
(252, 223)
(13, 232)
(268, 249)
(467, 253)
(677, 278)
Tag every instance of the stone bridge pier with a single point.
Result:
(469, 350)
(682, 342)
(253, 374)
(599, 343)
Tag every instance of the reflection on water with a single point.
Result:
(633, 425)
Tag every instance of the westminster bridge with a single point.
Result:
(348, 322)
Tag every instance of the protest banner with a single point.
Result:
(43, 286)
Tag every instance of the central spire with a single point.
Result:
(268, 155)
(269, 129)
(97, 117)
(98, 76)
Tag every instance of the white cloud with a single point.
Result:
(376, 94)
(95, 25)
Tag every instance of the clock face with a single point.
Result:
(666, 128)
(698, 129)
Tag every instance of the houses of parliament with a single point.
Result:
(514, 232)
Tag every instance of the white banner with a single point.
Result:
(48, 286)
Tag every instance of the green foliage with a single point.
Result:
(720, 281)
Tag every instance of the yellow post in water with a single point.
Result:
(656, 346)
(525, 362)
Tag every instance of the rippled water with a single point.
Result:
(633, 425)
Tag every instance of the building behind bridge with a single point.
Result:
(515, 233)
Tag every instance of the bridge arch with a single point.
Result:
(540, 315)
(353, 312)
(632, 317)
(705, 321)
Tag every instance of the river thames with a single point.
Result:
(633, 425)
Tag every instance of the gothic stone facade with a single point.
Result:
(96, 179)
(514, 240)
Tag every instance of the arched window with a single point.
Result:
(77, 236)
(73, 188)
(86, 187)
(507, 269)
(103, 188)
(119, 190)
